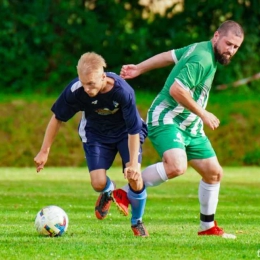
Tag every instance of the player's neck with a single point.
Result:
(108, 85)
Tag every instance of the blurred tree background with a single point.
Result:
(41, 42)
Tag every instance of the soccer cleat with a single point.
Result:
(103, 205)
(120, 198)
(139, 229)
(216, 231)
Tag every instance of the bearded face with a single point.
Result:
(223, 57)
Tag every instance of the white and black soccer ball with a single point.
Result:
(51, 221)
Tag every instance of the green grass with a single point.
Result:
(171, 217)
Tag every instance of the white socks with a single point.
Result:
(208, 198)
(154, 175)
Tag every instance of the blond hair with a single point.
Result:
(90, 62)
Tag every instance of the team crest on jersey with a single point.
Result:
(115, 104)
(106, 111)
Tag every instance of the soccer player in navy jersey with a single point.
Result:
(178, 113)
(110, 123)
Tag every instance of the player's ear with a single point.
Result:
(216, 36)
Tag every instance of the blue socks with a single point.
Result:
(138, 201)
(109, 186)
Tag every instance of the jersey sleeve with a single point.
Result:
(67, 105)
(178, 53)
(193, 66)
(191, 74)
(126, 97)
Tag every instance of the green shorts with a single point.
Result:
(167, 137)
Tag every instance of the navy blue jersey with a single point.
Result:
(107, 117)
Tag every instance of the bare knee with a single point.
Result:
(98, 185)
(174, 170)
(214, 175)
(219, 174)
(98, 179)
(175, 162)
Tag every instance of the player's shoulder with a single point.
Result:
(74, 85)
(113, 75)
(205, 47)
(203, 54)
(120, 83)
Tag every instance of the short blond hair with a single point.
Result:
(90, 62)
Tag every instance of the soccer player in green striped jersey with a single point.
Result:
(177, 115)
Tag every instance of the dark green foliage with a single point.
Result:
(41, 41)
(252, 157)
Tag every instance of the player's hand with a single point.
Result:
(40, 160)
(132, 174)
(210, 120)
(129, 71)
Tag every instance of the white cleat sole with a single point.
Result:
(229, 236)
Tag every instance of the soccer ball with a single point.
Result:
(51, 221)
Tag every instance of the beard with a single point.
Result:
(221, 57)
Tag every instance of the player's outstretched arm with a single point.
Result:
(50, 133)
(158, 61)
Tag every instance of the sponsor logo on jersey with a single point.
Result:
(94, 102)
(106, 111)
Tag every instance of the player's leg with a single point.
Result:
(99, 158)
(120, 195)
(136, 193)
(169, 142)
(207, 165)
(104, 200)
(208, 189)
(138, 201)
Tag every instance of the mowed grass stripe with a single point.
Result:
(171, 216)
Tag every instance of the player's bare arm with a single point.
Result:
(158, 61)
(133, 146)
(132, 171)
(50, 134)
(183, 97)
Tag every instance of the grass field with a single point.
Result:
(171, 217)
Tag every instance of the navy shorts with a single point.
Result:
(102, 155)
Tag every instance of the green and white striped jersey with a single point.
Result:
(194, 69)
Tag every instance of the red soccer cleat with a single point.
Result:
(140, 230)
(216, 231)
(119, 196)
(103, 205)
